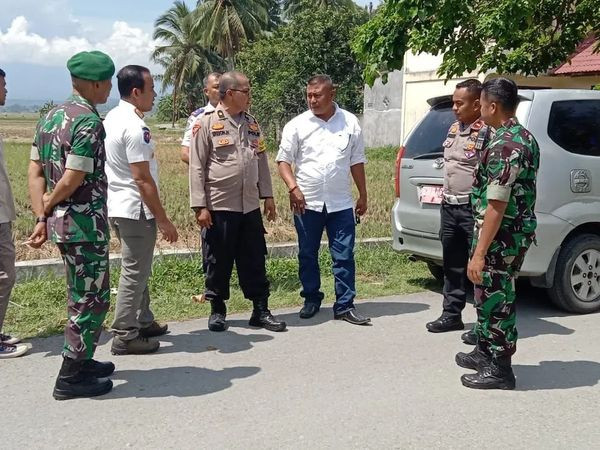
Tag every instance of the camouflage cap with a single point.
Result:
(94, 66)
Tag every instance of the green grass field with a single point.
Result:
(39, 307)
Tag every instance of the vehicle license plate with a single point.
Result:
(431, 194)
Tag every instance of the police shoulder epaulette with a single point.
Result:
(250, 118)
(198, 112)
(476, 126)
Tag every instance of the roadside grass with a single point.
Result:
(40, 305)
(174, 194)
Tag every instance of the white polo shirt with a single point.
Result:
(322, 153)
(128, 140)
(192, 120)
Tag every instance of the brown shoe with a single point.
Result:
(154, 329)
(138, 346)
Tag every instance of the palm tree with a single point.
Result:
(293, 7)
(181, 52)
(228, 23)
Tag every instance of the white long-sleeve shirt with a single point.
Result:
(322, 153)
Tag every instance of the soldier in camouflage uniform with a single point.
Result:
(503, 200)
(68, 193)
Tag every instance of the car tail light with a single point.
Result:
(398, 165)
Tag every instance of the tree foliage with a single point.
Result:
(292, 7)
(182, 53)
(278, 66)
(507, 36)
(227, 24)
(164, 109)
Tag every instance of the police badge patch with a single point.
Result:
(147, 135)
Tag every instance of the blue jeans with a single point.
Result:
(341, 233)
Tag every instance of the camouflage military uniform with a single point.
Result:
(507, 172)
(71, 136)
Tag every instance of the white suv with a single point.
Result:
(566, 259)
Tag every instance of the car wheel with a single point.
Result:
(436, 271)
(577, 277)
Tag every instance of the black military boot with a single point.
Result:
(72, 382)
(476, 359)
(261, 317)
(97, 369)
(469, 337)
(498, 374)
(218, 312)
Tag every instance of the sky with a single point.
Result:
(37, 37)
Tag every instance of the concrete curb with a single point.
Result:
(27, 270)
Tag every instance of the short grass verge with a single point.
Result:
(40, 305)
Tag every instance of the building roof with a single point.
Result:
(583, 62)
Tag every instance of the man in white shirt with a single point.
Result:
(134, 210)
(211, 90)
(325, 146)
(9, 345)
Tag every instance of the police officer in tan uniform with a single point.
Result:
(229, 174)
(466, 137)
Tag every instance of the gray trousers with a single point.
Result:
(132, 310)
(7, 267)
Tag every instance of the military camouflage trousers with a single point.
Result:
(88, 294)
(495, 303)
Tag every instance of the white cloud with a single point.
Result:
(126, 45)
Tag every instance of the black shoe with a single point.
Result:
(445, 323)
(72, 383)
(97, 369)
(309, 310)
(498, 374)
(217, 322)
(476, 360)
(264, 319)
(353, 317)
(469, 337)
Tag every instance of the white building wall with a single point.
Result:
(391, 110)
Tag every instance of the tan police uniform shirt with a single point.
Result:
(462, 149)
(7, 202)
(228, 164)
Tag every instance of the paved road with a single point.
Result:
(322, 384)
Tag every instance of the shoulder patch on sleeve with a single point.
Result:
(147, 136)
(196, 128)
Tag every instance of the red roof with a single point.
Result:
(583, 62)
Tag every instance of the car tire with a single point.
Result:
(436, 271)
(577, 277)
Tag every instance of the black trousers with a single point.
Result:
(456, 234)
(240, 238)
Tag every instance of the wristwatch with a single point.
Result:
(41, 219)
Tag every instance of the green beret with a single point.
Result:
(94, 66)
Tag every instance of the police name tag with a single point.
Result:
(430, 194)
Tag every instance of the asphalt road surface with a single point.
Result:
(321, 384)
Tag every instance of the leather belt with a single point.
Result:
(456, 199)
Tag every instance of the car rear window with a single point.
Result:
(430, 133)
(575, 126)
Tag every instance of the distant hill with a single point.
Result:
(21, 106)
